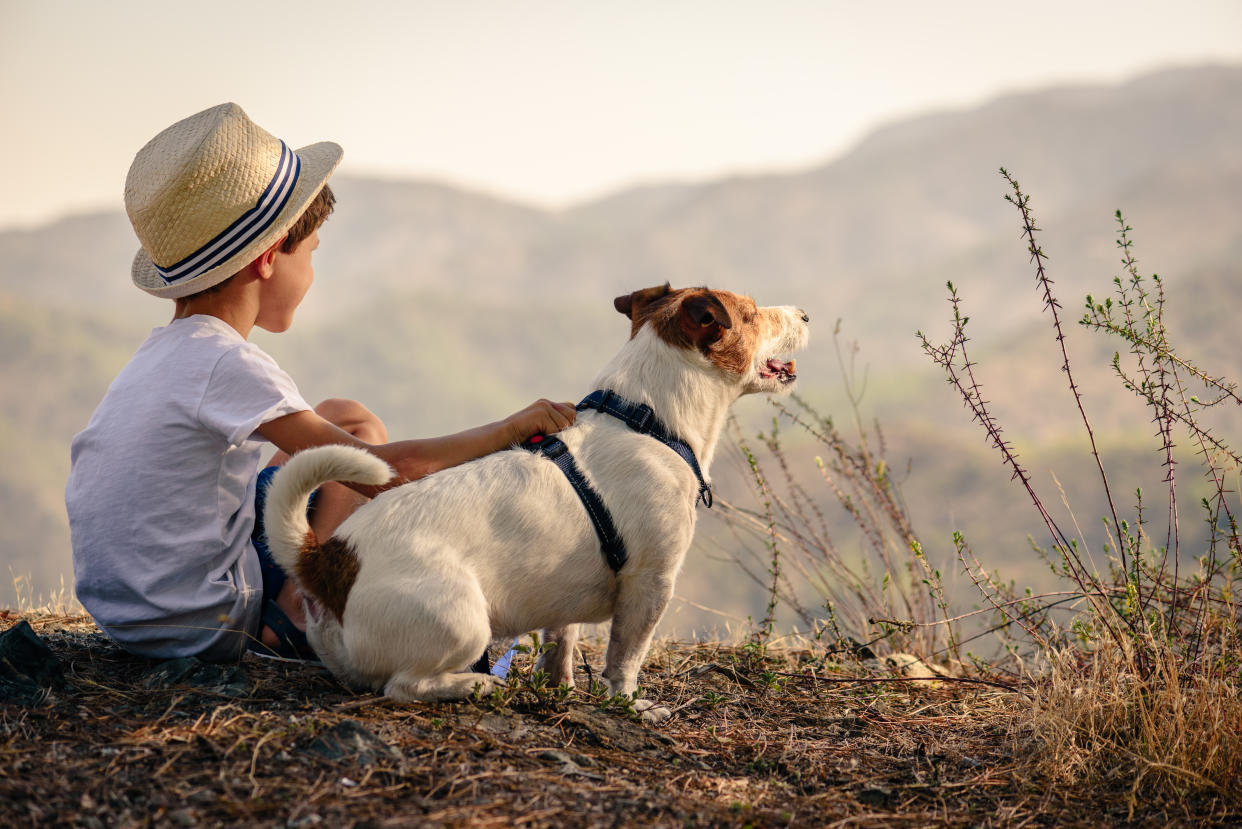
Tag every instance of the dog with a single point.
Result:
(415, 583)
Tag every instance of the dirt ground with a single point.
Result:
(775, 739)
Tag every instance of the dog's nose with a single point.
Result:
(805, 316)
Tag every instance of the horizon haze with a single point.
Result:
(549, 104)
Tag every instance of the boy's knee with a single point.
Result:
(354, 418)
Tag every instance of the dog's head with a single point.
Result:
(746, 343)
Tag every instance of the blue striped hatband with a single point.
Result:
(248, 227)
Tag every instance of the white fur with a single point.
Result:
(501, 546)
(286, 504)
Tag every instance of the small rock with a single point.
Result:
(612, 731)
(229, 680)
(28, 668)
(569, 764)
(905, 664)
(182, 817)
(554, 756)
(875, 795)
(348, 739)
(505, 727)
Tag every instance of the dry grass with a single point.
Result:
(60, 602)
(1133, 667)
(1098, 721)
(775, 738)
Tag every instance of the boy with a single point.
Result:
(162, 491)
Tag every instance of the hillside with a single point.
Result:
(783, 739)
(442, 308)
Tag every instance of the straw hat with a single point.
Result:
(210, 193)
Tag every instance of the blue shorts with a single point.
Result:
(293, 643)
(273, 576)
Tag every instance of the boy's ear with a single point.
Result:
(264, 263)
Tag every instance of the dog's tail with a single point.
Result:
(284, 514)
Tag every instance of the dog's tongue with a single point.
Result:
(776, 366)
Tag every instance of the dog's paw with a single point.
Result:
(485, 684)
(651, 713)
(440, 688)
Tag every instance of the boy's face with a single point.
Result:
(292, 275)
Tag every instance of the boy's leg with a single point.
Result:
(333, 502)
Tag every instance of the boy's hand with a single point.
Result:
(543, 417)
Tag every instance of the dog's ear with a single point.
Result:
(703, 319)
(632, 304)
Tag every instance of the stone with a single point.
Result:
(28, 668)
(229, 680)
(348, 739)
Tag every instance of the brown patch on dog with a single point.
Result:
(632, 305)
(725, 327)
(327, 571)
(703, 318)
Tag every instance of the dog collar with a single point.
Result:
(641, 418)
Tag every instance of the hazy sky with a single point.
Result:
(546, 102)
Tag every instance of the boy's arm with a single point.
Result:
(414, 459)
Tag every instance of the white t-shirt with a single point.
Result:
(161, 492)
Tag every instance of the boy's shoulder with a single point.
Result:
(187, 342)
(193, 352)
(200, 369)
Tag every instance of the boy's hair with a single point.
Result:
(315, 214)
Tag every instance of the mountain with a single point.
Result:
(442, 308)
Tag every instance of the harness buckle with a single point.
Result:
(640, 417)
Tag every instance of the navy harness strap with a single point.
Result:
(554, 449)
(640, 418)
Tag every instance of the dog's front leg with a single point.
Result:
(558, 659)
(640, 604)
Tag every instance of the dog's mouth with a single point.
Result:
(780, 369)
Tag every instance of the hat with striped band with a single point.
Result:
(209, 194)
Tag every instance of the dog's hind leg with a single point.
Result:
(439, 671)
(640, 604)
(558, 660)
(417, 637)
(441, 688)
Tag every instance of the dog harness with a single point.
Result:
(640, 418)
